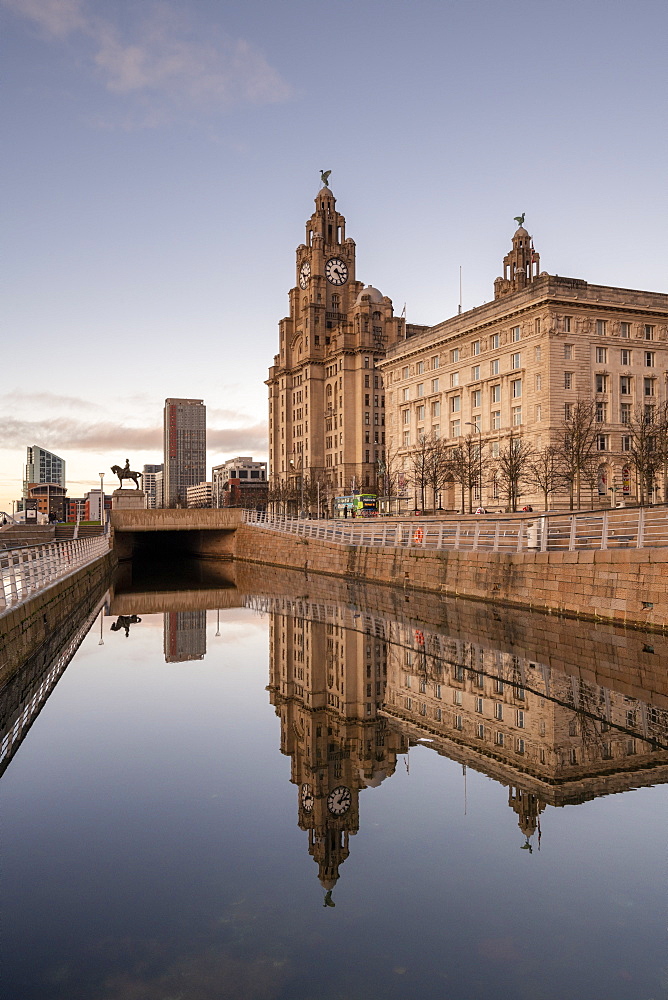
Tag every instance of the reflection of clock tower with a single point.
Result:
(326, 401)
(321, 677)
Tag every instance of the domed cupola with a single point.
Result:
(521, 266)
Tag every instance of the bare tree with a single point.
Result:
(577, 444)
(512, 469)
(545, 472)
(438, 467)
(464, 463)
(389, 474)
(648, 430)
(419, 468)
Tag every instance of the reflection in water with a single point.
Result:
(206, 895)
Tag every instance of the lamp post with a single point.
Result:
(477, 427)
(101, 475)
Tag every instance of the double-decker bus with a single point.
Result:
(356, 505)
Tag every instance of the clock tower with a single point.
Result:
(326, 398)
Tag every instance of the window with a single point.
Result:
(456, 697)
(601, 327)
(600, 383)
(419, 368)
(649, 359)
(496, 451)
(475, 373)
(568, 411)
(436, 408)
(498, 739)
(515, 334)
(538, 413)
(626, 442)
(405, 394)
(498, 711)
(515, 361)
(454, 355)
(567, 324)
(455, 428)
(516, 388)
(601, 355)
(539, 383)
(437, 690)
(625, 330)
(476, 398)
(625, 357)
(648, 331)
(536, 325)
(404, 372)
(625, 385)
(459, 722)
(407, 439)
(455, 404)
(436, 431)
(520, 745)
(517, 416)
(434, 362)
(476, 425)
(479, 705)
(601, 442)
(601, 413)
(568, 352)
(496, 393)
(538, 352)
(648, 386)
(494, 367)
(419, 390)
(454, 379)
(568, 380)
(434, 385)
(480, 731)
(625, 413)
(475, 347)
(419, 412)
(520, 718)
(496, 420)
(494, 340)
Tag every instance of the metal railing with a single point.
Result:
(26, 570)
(637, 527)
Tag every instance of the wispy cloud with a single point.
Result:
(66, 434)
(159, 58)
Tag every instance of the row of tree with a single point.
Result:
(568, 466)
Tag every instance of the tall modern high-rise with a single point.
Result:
(185, 448)
(43, 466)
(148, 483)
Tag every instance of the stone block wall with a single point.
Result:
(621, 585)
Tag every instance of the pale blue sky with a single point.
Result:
(162, 158)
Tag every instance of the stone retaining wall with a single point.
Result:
(620, 585)
(26, 626)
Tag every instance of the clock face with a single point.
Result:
(339, 800)
(336, 271)
(304, 274)
(307, 797)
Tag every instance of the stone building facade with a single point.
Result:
(326, 401)
(516, 366)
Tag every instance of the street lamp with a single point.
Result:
(477, 427)
(101, 475)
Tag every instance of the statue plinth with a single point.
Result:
(128, 500)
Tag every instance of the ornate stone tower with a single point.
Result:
(520, 267)
(326, 400)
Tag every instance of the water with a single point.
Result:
(193, 798)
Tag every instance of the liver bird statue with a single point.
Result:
(519, 219)
(324, 177)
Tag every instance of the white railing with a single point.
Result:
(637, 527)
(23, 571)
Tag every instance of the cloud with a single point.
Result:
(50, 399)
(160, 61)
(64, 433)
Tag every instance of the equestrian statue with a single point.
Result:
(126, 473)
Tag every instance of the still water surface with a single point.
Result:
(251, 803)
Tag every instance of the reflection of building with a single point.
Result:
(239, 482)
(551, 737)
(327, 686)
(185, 448)
(184, 636)
(43, 466)
(148, 483)
(517, 365)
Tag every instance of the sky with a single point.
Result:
(162, 157)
